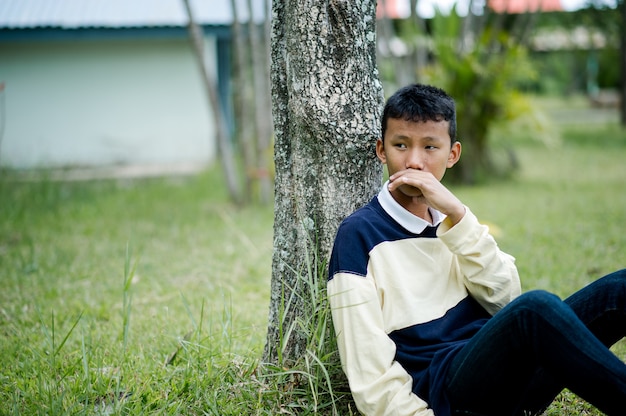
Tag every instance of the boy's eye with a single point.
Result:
(400, 145)
(430, 147)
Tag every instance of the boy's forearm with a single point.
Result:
(490, 274)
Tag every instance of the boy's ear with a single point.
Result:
(455, 154)
(380, 151)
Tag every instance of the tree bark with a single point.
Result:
(327, 101)
(243, 114)
(262, 112)
(223, 137)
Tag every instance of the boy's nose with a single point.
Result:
(414, 161)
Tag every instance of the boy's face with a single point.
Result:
(422, 146)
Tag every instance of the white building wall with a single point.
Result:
(96, 103)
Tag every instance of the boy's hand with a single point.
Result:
(432, 192)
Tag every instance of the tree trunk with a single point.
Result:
(223, 137)
(262, 112)
(244, 131)
(420, 51)
(327, 102)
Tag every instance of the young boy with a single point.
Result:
(427, 309)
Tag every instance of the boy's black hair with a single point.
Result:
(419, 103)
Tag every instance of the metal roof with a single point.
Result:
(75, 14)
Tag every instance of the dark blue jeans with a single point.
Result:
(537, 346)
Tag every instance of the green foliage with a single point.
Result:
(314, 383)
(310, 381)
(562, 72)
(482, 70)
(566, 71)
(597, 15)
(608, 71)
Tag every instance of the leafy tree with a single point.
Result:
(611, 22)
(481, 67)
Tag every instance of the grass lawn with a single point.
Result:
(151, 295)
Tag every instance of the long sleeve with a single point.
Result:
(379, 384)
(488, 273)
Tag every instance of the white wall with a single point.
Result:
(88, 103)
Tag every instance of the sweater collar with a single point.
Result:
(410, 222)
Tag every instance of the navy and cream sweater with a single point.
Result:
(404, 302)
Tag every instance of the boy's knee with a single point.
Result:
(617, 278)
(614, 283)
(537, 300)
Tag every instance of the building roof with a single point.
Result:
(393, 9)
(524, 6)
(427, 8)
(77, 14)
